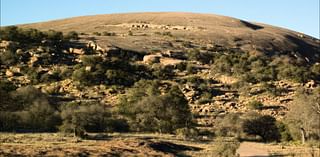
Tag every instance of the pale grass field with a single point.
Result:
(116, 144)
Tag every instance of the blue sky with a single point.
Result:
(298, 15)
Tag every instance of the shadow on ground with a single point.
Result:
(176, 149)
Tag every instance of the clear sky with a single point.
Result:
(298, 15)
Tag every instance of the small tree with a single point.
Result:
(72, 35)
(229, 125)
(225, 148)
(303, 117)
(86, 117)
(263, 126)
(40, 116)
(147, 110)
(256, 105)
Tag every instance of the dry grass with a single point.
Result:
(55, 144)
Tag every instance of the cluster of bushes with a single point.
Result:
(46, 46)
(162, 71)
(27, 36)
(303, 117)
(143, 108)
(255, 69)
(203, 57)
(301, 123)
(164, 33)
(146, 109)
(109, 33)
(26, 109)
(30, 111)
(205, 93)
(256, 105)
(252, 124)
(105, 33)
(112, 71)
(225, 148)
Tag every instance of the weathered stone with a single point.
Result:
(9, 73)
(33, 59)
(77, 51)
(150, 59)
(88, 68)
(5, 44)
(93, 45)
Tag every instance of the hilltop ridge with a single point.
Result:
(204, 29)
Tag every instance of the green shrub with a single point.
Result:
(96, 33)
(147, 110)
(223, 148)
(229, 125)
(293, 72)
(263, 126)
(284, 132)
(181, 66)
(54, 35)
(304, 115)
(167, 34)
(72, 35)
(162, 72)
(40, 117)
(191, 69)
(118, 125)
(8, 121)
(205, 98)
(9, 58)
(7, 86)
(187, 133)
(256, 105)
(24, 97)
(89, 117)
(109, 33)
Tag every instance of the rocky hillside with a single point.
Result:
(206, 31)
(221, 64)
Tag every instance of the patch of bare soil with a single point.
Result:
(251, 149)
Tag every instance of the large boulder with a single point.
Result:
(151, 59)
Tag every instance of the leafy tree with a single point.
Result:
(225, 148)
(72, 35)
(82, 76)
(40, 116)
(263, 126)
(229, 125)
(90, 117)
(256, 105)
(146, 110)
(8, 121)
(303, 117)
(54, 35)
(24, 97)
(9, 58)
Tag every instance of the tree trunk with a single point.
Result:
(303, 135)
